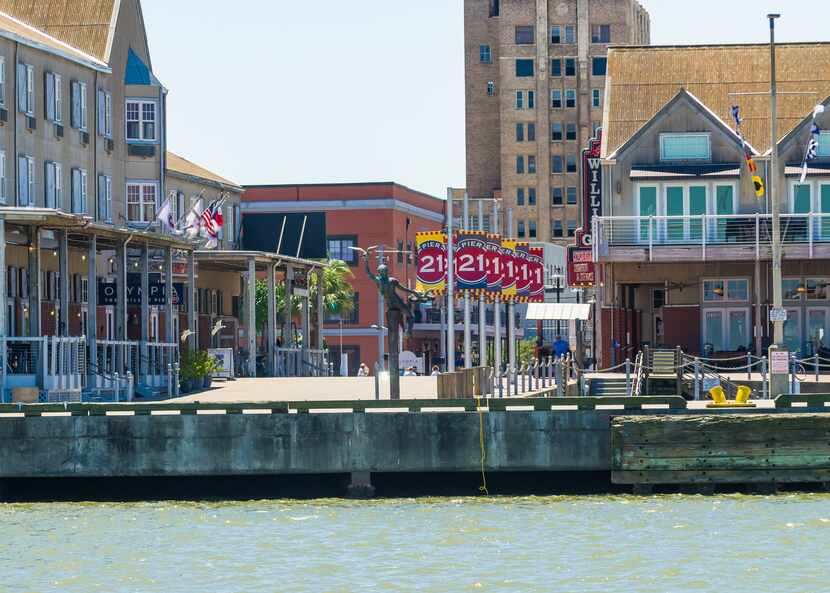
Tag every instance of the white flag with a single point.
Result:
(165, 216)
(193, 220)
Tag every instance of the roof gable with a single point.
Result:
(641, 80)
(137, 72)
(84, 24)
(687, 98)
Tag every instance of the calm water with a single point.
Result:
(552, 544)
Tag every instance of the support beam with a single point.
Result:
(34, 282)
(250, 318)
(121, 289)
(321, 314)
(92, 309)
(305, 323)
(3, 309)
(192, 319)
(65, 282)
(169, 312)
(271, 325)
(287, 335)
(144, 320)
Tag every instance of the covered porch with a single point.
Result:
(89, 312)
(287, 345)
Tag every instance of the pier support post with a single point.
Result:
(642, 489)
(361, 486)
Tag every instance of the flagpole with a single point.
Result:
(774, 197)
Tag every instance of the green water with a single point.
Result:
(547, 544)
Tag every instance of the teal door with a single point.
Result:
(648, 207)
(824, 224)
(796, 228)
(724, 204)
(674, 207)
(697, 208)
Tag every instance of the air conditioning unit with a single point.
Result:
(110, 145)
(4, 114)
(59, 130)
(31, 122)
(84, 137)
(142, 150)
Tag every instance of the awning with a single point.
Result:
(558, 311)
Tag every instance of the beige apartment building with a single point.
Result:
(535, 94)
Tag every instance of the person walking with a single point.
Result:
(561, 348)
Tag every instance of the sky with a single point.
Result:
(317, 91)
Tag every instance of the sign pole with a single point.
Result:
(494, 225)
(511, 313)
(468, 338)
(450, 288)
(482, 311)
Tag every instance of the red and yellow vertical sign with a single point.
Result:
(431, 248)
(508, 262)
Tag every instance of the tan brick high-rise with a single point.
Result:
(535, 93)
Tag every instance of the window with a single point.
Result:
(520, 229)
(531, 229)
(524, 67)
(556, 131)
(817, 289)
(557, 228)
(141, 202)
(599, 66)
(520, 196)
(520, 164)
(792, 289)
(531, 99)
(570, 34)
(141, 121)
(570, 163)
(54, 185)
(79, 191)
(570, 66)
(525, 99)
(555, 99)
(400, 252)
(824, 144)
(556, 67)
(531, 132)
(524, 35)
(556, 34)
(26, 89)
(54, 97)
(685, 147)
(2, 176)
(727, 329)
(556, 196)
(570, 98)
(520, 132)
(520, 100)
(595, 127)
(104, 113)
(79, 112)
(556, 163)
(596, 98)
(491, 88)
(570, 131)
(340, 248)
(105, 199)
(601, 34)
(735, 290)
(485, 56)
(25, 181)
(531, 164)
(531, 196)
(571, 195)
(494, 12)
(571, 228)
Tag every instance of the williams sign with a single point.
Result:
(591, 189)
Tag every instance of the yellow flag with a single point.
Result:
(759, 186)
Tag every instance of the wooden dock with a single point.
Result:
(715, 449)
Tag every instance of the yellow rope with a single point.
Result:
(483, 487)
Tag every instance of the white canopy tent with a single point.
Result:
(558, 312)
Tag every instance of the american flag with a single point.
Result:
(212, 219)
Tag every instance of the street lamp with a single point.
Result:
(381, 329)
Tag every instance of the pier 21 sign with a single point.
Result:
(471, 260)
(591, 189)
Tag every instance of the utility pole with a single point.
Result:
(482, 309)
(775, 199)
(494, 227)
(450, 288)
(511, 313)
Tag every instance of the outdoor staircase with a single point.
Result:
(608, 387)
(662, 375)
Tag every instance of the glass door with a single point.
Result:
(647, 206)
(724, 205)
(817, 328)
(824, 220)
(792, 331)
(697, 208)
(738, 330)
(796, 230)
(713, 330)
(675, 207)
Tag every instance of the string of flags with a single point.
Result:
(199, 222)
(812, 144)
(760, 190)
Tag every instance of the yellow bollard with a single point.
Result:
(718, 395)
(743, 394)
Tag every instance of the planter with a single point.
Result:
(206, 382)
(186, 386)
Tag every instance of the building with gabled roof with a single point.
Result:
(682, 238)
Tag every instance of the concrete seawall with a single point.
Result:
(274, 444)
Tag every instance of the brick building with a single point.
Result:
(360, 215)
(535, 91)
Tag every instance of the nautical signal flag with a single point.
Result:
(760, 191)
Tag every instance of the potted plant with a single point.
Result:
(190, 373)
(207, 366)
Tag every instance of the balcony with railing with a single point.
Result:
(708, 237)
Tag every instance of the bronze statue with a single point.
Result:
(400, 312)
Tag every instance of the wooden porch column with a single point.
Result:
(305, 323)
(271, 325)
(144, 336)
(169, 327)
(192, 322)
(250, 317)
(3, 287)
(321, 314)
(65, 277)
(34, 282)
(121, 293)
(92, 309)
(287, 335)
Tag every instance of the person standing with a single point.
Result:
(363, 371)
(561, 348)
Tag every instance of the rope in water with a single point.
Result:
(483, 487)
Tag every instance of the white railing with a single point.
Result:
(295, 362)
(55, 366)
(708, 230)
(158, 366)
(115, 358)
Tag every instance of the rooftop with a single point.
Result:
(182, 166)
(642, 80)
